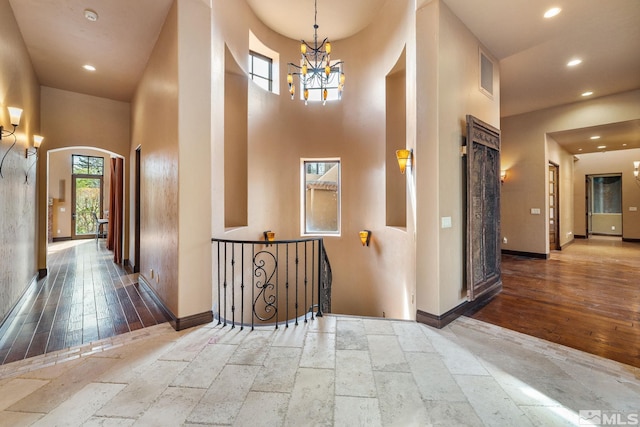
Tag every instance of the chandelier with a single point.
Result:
(316, 72)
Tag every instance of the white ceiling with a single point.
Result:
(532, 51)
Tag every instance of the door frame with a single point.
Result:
(136, 207)
(556, 205)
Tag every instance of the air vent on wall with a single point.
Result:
(486, 74)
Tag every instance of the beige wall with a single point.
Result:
(526, 156)
(19, 87)
(76, 121)
(448, 90)
(170, 123)
(194, 59)
(603, 163)
(154, 127)
(367, 281)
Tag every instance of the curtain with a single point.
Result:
(114, 236)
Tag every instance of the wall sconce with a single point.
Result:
(636, 166)
(14, 114)
(269, 236)
(37, 140)
(404, 158)
(503, 176)
(365, 237)
(33, 151)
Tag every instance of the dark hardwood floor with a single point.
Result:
(586, 296)
(84, 298)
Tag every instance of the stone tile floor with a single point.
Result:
(335, 370)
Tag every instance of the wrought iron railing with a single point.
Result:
(280, 282)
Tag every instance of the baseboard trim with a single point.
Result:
(178, 323)
(42, 273)
(12, 313)
(467, 307)
(127, 266)
(61, 239)
(525, 254)
(626, 239)
(440, 321)
(194, 320)
(569, 243)
(579, 236)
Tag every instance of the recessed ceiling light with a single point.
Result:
(579, 149)
(552, 12)
(89, 67)
(624, 145)
(587, 93)
(574, 62)
(90, 15)
(600, 147)
(595, 137)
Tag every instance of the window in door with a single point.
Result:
(87, 182)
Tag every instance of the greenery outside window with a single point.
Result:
(261, 70)
(320, 179)
(87, 165)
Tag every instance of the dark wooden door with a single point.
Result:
(483, 276)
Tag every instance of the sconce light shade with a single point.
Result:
(37, 140)
(503, 176)
(14, 114)
(269, 236)
(365, 237)
(404, 158)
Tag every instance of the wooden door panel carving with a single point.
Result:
(483, 274)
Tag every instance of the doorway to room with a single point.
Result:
(604, 204)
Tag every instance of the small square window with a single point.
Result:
(315, 89)
(87, 165)
(261, 70)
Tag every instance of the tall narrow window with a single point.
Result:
(320, 196)
(261, 70)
